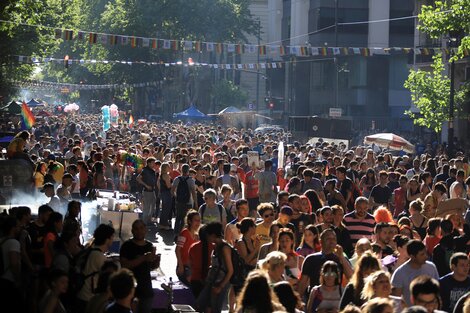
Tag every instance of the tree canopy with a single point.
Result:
(206, 20)
(430, 93)
(447, 18)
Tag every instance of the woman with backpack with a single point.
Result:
(218, 278)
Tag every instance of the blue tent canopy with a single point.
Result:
(191, 113)
(34, 103)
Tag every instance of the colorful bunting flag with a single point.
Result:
(92, 38)
(187, 45)
(145, 42)
(250, 48)
(230, 48)
(175, 45)
(219, 48)
(103, 39)
(68, 35)
(133, 42)
(262, 50)
(210, 46)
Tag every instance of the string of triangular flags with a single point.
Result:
(227, 66)
(39, 84)
(237, 48)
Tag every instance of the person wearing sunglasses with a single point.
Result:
(425, 292)
(266, 211)
(325, 297)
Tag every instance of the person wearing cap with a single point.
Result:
(59, 169)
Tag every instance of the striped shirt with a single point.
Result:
(359, 228)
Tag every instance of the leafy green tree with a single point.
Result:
(226, 93)
(443, 18)
(430, 93)
(16, 38)
(205, 20)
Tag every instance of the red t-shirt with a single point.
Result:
(400, 201)
(184, 242)
(241, 173)
(174, 174)
(251, 186)
(195, 259)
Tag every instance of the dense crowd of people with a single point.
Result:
(317, 228)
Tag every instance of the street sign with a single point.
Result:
(336, 112)
(250, 106)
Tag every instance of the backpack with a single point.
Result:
(240, 270)
(203, 209)
(77, 276)
(182, 191)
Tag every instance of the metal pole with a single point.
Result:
(450, 133)
(336, 23)
(337, 83)
(257, 68)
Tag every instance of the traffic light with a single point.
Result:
(271, 105)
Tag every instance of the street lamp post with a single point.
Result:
(452, 42)
(257, 67)
(450, 132)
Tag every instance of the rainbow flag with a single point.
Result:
(27, 116)
(131, 121)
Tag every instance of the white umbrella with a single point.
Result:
(390, 141)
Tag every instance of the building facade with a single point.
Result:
(368, 89)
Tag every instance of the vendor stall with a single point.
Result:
(119, 210)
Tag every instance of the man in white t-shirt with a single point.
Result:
(416, 266)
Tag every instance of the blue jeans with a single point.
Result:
(206, 299)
